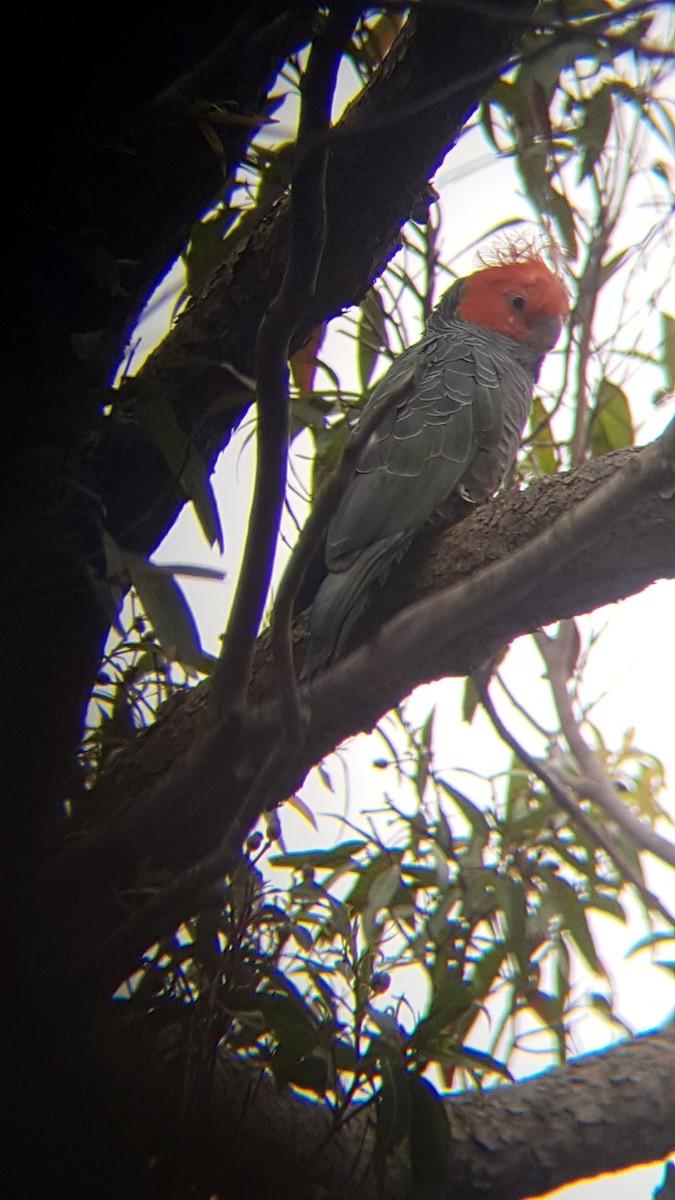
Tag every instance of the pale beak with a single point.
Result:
(546, 331)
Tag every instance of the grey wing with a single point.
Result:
(343, 596)
(449, 411)
(423, 448)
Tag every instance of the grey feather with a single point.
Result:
(465, 395)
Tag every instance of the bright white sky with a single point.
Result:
(634, 661)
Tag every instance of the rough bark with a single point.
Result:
(623, 558)
(599, 1113)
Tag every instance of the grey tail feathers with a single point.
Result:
(344, 595)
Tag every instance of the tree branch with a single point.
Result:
(600, 1112)
(180, 785)
(306, 244)
(596, 784)
(569, 805)
(505, 584)
(351, 696)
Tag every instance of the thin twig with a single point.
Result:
(569, 804)
(596, 785)
(513, 699)
(307, 238)
(589, 291)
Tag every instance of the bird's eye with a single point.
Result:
(518, 302)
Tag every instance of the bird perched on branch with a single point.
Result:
(459, 400)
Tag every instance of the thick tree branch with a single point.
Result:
(501, 586)
(178, 789)
(622, 558)
(601, 1112)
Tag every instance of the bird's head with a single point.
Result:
(522, 299)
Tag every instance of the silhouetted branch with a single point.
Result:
(307, 239)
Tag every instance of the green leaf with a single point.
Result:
(511, 897)
(548, 1008)
(309, 412)
(380, 895)
(309, 1072)
(443, 836)
(338, 856)
(205, 250)
(487, 123)
(328, 446)
(668, 132)
(510, 98)
(478, 1059)
(668, 353)
(277, 174)
(517, 809)
(359, 898)
(486, 970)
(573, 915)
(429, 1137)
(287, 1014)
(296, 1030)
(545, 68)
(372, 335)
(190, 571)
(393, 1102)
(610, 267)
(185, 464)
(340, 918)
(470, 700)
(592, 135)
(601, 902)
(148, 663)
(469, 811)
(532, 165)
(665, 131)
(541, 452)
(563, 216)
(295, 801)
(169, 614)
(611, 425)
(452, 999)
(424, 756)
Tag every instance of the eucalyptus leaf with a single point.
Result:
(429, 1137)
(185, 464)
(611, 424)
(169, 614)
